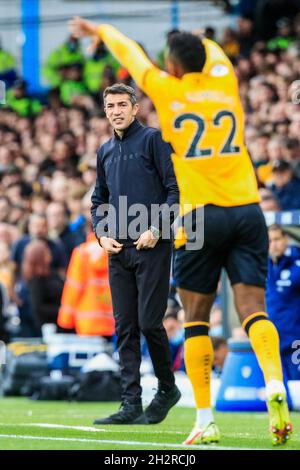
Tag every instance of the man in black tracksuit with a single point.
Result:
(134, 173)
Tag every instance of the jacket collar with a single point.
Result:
(134, 126)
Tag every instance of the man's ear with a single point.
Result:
(173, 68)
(136, 108)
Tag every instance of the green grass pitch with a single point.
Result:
(30, 425)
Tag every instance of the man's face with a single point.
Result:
(61, 151)
(268, 203)
(56, 217)
(220, 355)
(277, 243)
(120, 111)
(38, 228)
(275, 150)
(4, 210)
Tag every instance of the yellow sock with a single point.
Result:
(265, 343)
(198, 355)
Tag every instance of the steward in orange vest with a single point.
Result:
(86, 300)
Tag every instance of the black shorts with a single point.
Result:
(235, 238)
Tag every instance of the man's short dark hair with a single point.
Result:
(121, 89)
(218, 341)
(280, 166)
(275, 228)
(187, 50)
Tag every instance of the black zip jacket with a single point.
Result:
(138, 166)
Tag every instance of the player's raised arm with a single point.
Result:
(126, 51)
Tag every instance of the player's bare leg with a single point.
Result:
(250, 304)
(198, 362)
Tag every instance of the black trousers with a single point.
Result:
(139, 282)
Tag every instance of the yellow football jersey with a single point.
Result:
(201, 116)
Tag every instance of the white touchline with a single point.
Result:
(130, 443)
(62, 426)
(89, 429)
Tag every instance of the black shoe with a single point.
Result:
(161, 404)
(129, 413)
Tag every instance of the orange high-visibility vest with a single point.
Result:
(86, 300)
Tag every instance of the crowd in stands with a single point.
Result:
(48, 163)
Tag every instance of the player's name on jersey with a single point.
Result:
(210, 95)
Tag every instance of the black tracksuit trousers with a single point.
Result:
(139, 282)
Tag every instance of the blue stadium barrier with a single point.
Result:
(242, 387)
(290, 220)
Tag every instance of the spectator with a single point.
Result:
(220, 354)
(283, 296)
(292, 154)
(268, 201)
(4, 208)
(8, 233)
(19, 101)
(94, 68)
(245, 35)
(210, 33)
(38, 229)
(39, 203)
(74, 203)
(294, 128)
(58, 188)
(59, 230)
(175, 332)
(62, 158)
(275, 152)
(66, 54)
(285, 186)
(6, 270)
(285, 36)
(44, 284)
(73, 84)
(230, 43)
(3, 303)
(258, 146)
(216, 327)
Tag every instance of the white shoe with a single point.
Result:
(206, 435)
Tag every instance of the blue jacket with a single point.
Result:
(138, 166)
(283, 296)
(288, 196)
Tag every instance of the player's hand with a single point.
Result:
(110, 245)
(81, 28)
(146, 240)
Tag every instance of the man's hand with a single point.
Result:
(146, 240)
(81, 28)
(110, 245)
